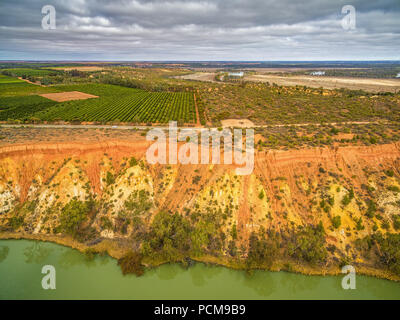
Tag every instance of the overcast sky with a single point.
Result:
(251, 30)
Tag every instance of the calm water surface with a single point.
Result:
(21, 262)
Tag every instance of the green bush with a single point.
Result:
(16, 222)
(396, 221)
(169, 237)
(336, 222)
(393, 188)
(389, 252)
(389, 173)
(110, 179)
(371, 209)
(308, 244)
(73, 215)
(262, 250)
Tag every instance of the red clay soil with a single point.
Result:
(29, 160)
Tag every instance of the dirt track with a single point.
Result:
(200, 76)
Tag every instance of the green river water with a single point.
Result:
(21, 262)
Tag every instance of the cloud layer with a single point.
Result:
(199, 30)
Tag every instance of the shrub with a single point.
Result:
(196, 179)
(309, 245)
(234, 232)
(169, 237)
(133, 162)
(348, 197)
(389, 173)
(389, 250)
(106, 224)
(336, 222)
(359, 225)
(262, 250)
(393, 188)
(110, 179)
(371, 209)
(73, 215)
(16, 222)
(396, 221)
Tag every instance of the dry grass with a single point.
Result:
(68, 96)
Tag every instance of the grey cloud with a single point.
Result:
(199, 30)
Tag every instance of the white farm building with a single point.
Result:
(236, 74)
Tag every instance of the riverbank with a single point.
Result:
(116, 251)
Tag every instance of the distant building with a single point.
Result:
(398, 75)
(318, 73)
(236, 74)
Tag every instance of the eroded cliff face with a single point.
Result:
(353, 191)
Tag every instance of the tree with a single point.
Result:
(234, 232)
(73, 215)
(110, 179)
(169, 237)
(262, 250)
(309, 244)
(131, 263)
(336, 222)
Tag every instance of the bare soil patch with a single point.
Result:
(371, 85)
(67, 96)
(88, 69)
(199, 76)
(346, 136)
(238, 123)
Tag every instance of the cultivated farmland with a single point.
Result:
(114, 104)
(123, 104)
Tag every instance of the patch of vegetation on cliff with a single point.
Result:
(72, 219)
(17, 219)
(173, 237)
(207, 236)
(308, 244)
(263, 248)
(387, 248)
(169, 237)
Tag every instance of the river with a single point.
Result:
(21, 263)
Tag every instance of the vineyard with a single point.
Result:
(27, 72)
(22, 107)
(12, 87)
(114, 104)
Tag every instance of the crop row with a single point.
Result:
(133, 106)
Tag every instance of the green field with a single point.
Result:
(19, 100)
(122, 104)
(13, 87)
(27, 72)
